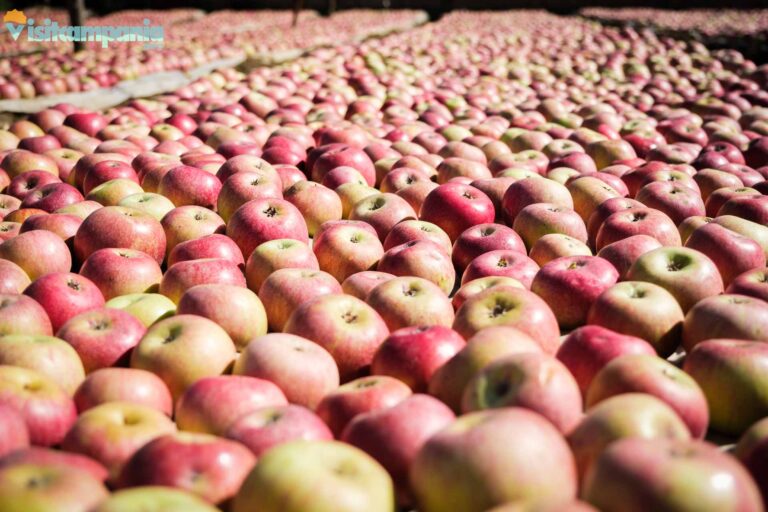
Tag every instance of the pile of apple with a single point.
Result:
(505, 261)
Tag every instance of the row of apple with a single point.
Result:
(186, 45)
(340, 283)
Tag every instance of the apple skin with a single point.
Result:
(531, 380)
(122, 271)
(128, 229)
(726, 316)
(146, 307)
(502, 263)
(123, 385)
(221, 465)
(186, 185)
(422, 259)
(570, 286)
(183, 349)
(29, 487)
(510, 306)
(185, 275)
(110, 433)
(644, 373)
(37, 253)
(732, 253)
(13, 279)
(211, 404)
(623, 253)
(456, 207)
(153, 499)
(393, 436)
(286, 289)
(102, 337)
(753, 283)
(242, 187)
(13, 431)
(47, 409)
(190, 223)
(643, 474)
(261, 220)
(470, 464)
(300, 475)
(64, 295)
(345, 248)
(20, 314)
(628, 415)
(638, 221)
(271, 426)
(347, 327)
(687, 274)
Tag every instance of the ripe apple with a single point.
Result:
(360, 284)
(502, 263)
(411, 301)
(455, 207)
(190, 223)
(20, 314)
(64, 295)
(186, 274)
(412, 230)
(528, 191)
(123, 385)
(732, 253)
(123, 228)
(47, 487)
(286, 289)
(15, 435)
(122, 271)
(726, 316)
(345, 248)
(638, 221)
(37, 253)
(146, 307)
(154, 204)
(13, 279)
(153, 499)
(186, 185)
(261, 220)
(423, 259)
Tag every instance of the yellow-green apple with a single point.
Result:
(475, 463)
(183, 349)
(270, 426)
(588, 192)
(352, 193)
(455, 207)
(64, 295)
(113, 191)
(13, 279)
(606, 152)
(20, 314)
(420, 258)
(490, 344)
(687, 274)
(280, 483)
(184, 275)
(30, 487)
(317, 204)
(359, 396)
(303, 370)
(360, 284)
(570, 285)
(726, 316)
(411, 229)
(13, 430)
(411, 301)
(623, 253)
(102, 337)
(531, 190)
(153, 499)
(347, 327)
(513, 307)
(643, 373)
(286, 289)
(47, 409)
(501, 263)
(148, 308)
(753, 283)
(638, 221)
(123, 228)
(154, 204)
(242, 187)
(540, 219)
(345, 248)
(633, 475)
(261, 220)
(123, 385)
(557, 245)
(641, 309)
(586, 350)
(414, 354)
(481, 284)
(731, 252)
(111, 433)
(37, 253)
(82, 209)
(190, 223)
(394, 435)
(212, 404)
(628, 415)
(219, 465)
(531, 380)
(50, 356)
(122, 271)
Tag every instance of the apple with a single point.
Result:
(483, 238)
(186, 274)
(15, 435)
(20, 314)
(746, 228)
(382, 211)
(111, 433)
(638, 221)
(481, 284)
(186, 185)
(105, 171)
(503, 263)
(216, 246)
(127, 385)
(753, 283)
(286, 289)
(121, 272)
(146, 307)
(343, 155)
(570, 286)
(411, 229)
(154, 204)
(242, 187)
(190, 223)
(19, 161)
(677, 201)
(89, 123)
(297, 473)
(513, 307)
(183, 349)
(420, 258)
(37, 253)
(540, 219)
(624, 416)
(455, 207)
(754, 208)
(128, 228)
(245, 163)
(47, 409)
(64, 225)
(687, 274)
(261, 220)
(220, 465)
(622, 254)
(605, 210)
(726, 316)
(719, 197)
(13, 279)
(557, 245)
(656, 474)
(477, 463)
(23, 184)
(317, 204)
(532, 190)
(45, 487)
(345, 248)
(153, 499)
